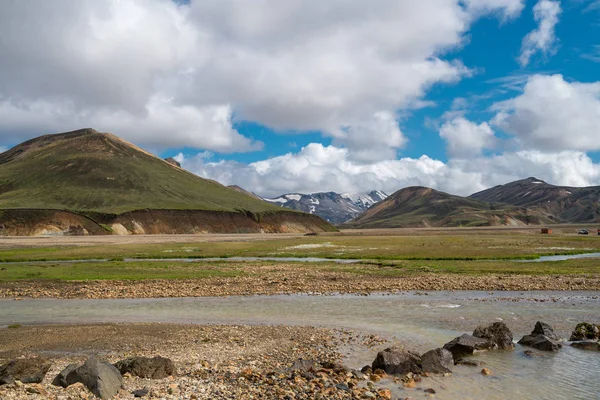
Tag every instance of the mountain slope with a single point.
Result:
(420, 207)
(560, 203)
(99, 175)
(332, 207)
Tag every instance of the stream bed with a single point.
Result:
(419, 320)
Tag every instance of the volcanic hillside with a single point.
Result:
(107, 185)
(424, 207)
(560, 203)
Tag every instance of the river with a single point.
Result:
(420, 321)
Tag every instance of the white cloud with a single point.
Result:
(542, 39)
(318, 168)
(162, 125)
(552, 115)
(509, 8)
(334, 66)
(466, 139)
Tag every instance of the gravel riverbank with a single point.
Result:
(291, 280)
(213, 362)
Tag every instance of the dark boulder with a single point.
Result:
(395, 361)
(587, 345)
(101, 378)
(437, 361)
(466, 345)
(540, 342)
(61, 378)
(26, 370)
(145, 367)
(585, 331)
(497, 333)
(541, 328)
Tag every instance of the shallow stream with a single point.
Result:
(420, 321)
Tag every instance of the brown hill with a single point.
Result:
(424, 207)
(98, 178)
(559, 203)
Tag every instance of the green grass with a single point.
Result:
(199, 270)
(14, 326)
(117, 270)
(92, 172)
(434, 247)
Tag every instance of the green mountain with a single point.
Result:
(425, 207)
(101, 177)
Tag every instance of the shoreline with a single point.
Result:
(285, 281)
(212, 361)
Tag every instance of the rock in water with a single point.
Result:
(466, 345)
(437, 361)
(497, 333)
(585, 331)
(26, 370)
(540, 342)
(541, 328)
(101, 378)
(587, 345)
(395, 361)
(145, 367)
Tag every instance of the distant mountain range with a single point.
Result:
(524, 202)
(558, 203)
(333, 207)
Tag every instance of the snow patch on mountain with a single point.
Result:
(333, 207)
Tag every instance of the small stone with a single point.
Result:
(410, 384)
(385, 394)
(429, 390)
(486, 371)
(140, 392)
(36, 388)
(342, 386)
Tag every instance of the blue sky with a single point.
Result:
(492, 51)
(305, 96)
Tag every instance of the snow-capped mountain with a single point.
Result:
(332, 207)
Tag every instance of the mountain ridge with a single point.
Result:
(419, 206)
(333, 207)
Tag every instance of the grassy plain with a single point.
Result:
(462, 246)
(389, 254)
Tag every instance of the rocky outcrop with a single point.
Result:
(101, 378)
(437, 361)
(539, 340)
(587, 345)
(173, 161)
(396, 361)
(585, 331)
(466, 345)
(498, 334)
(26, 370)
(146, 367)
(542, 328)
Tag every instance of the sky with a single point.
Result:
(281, 96)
